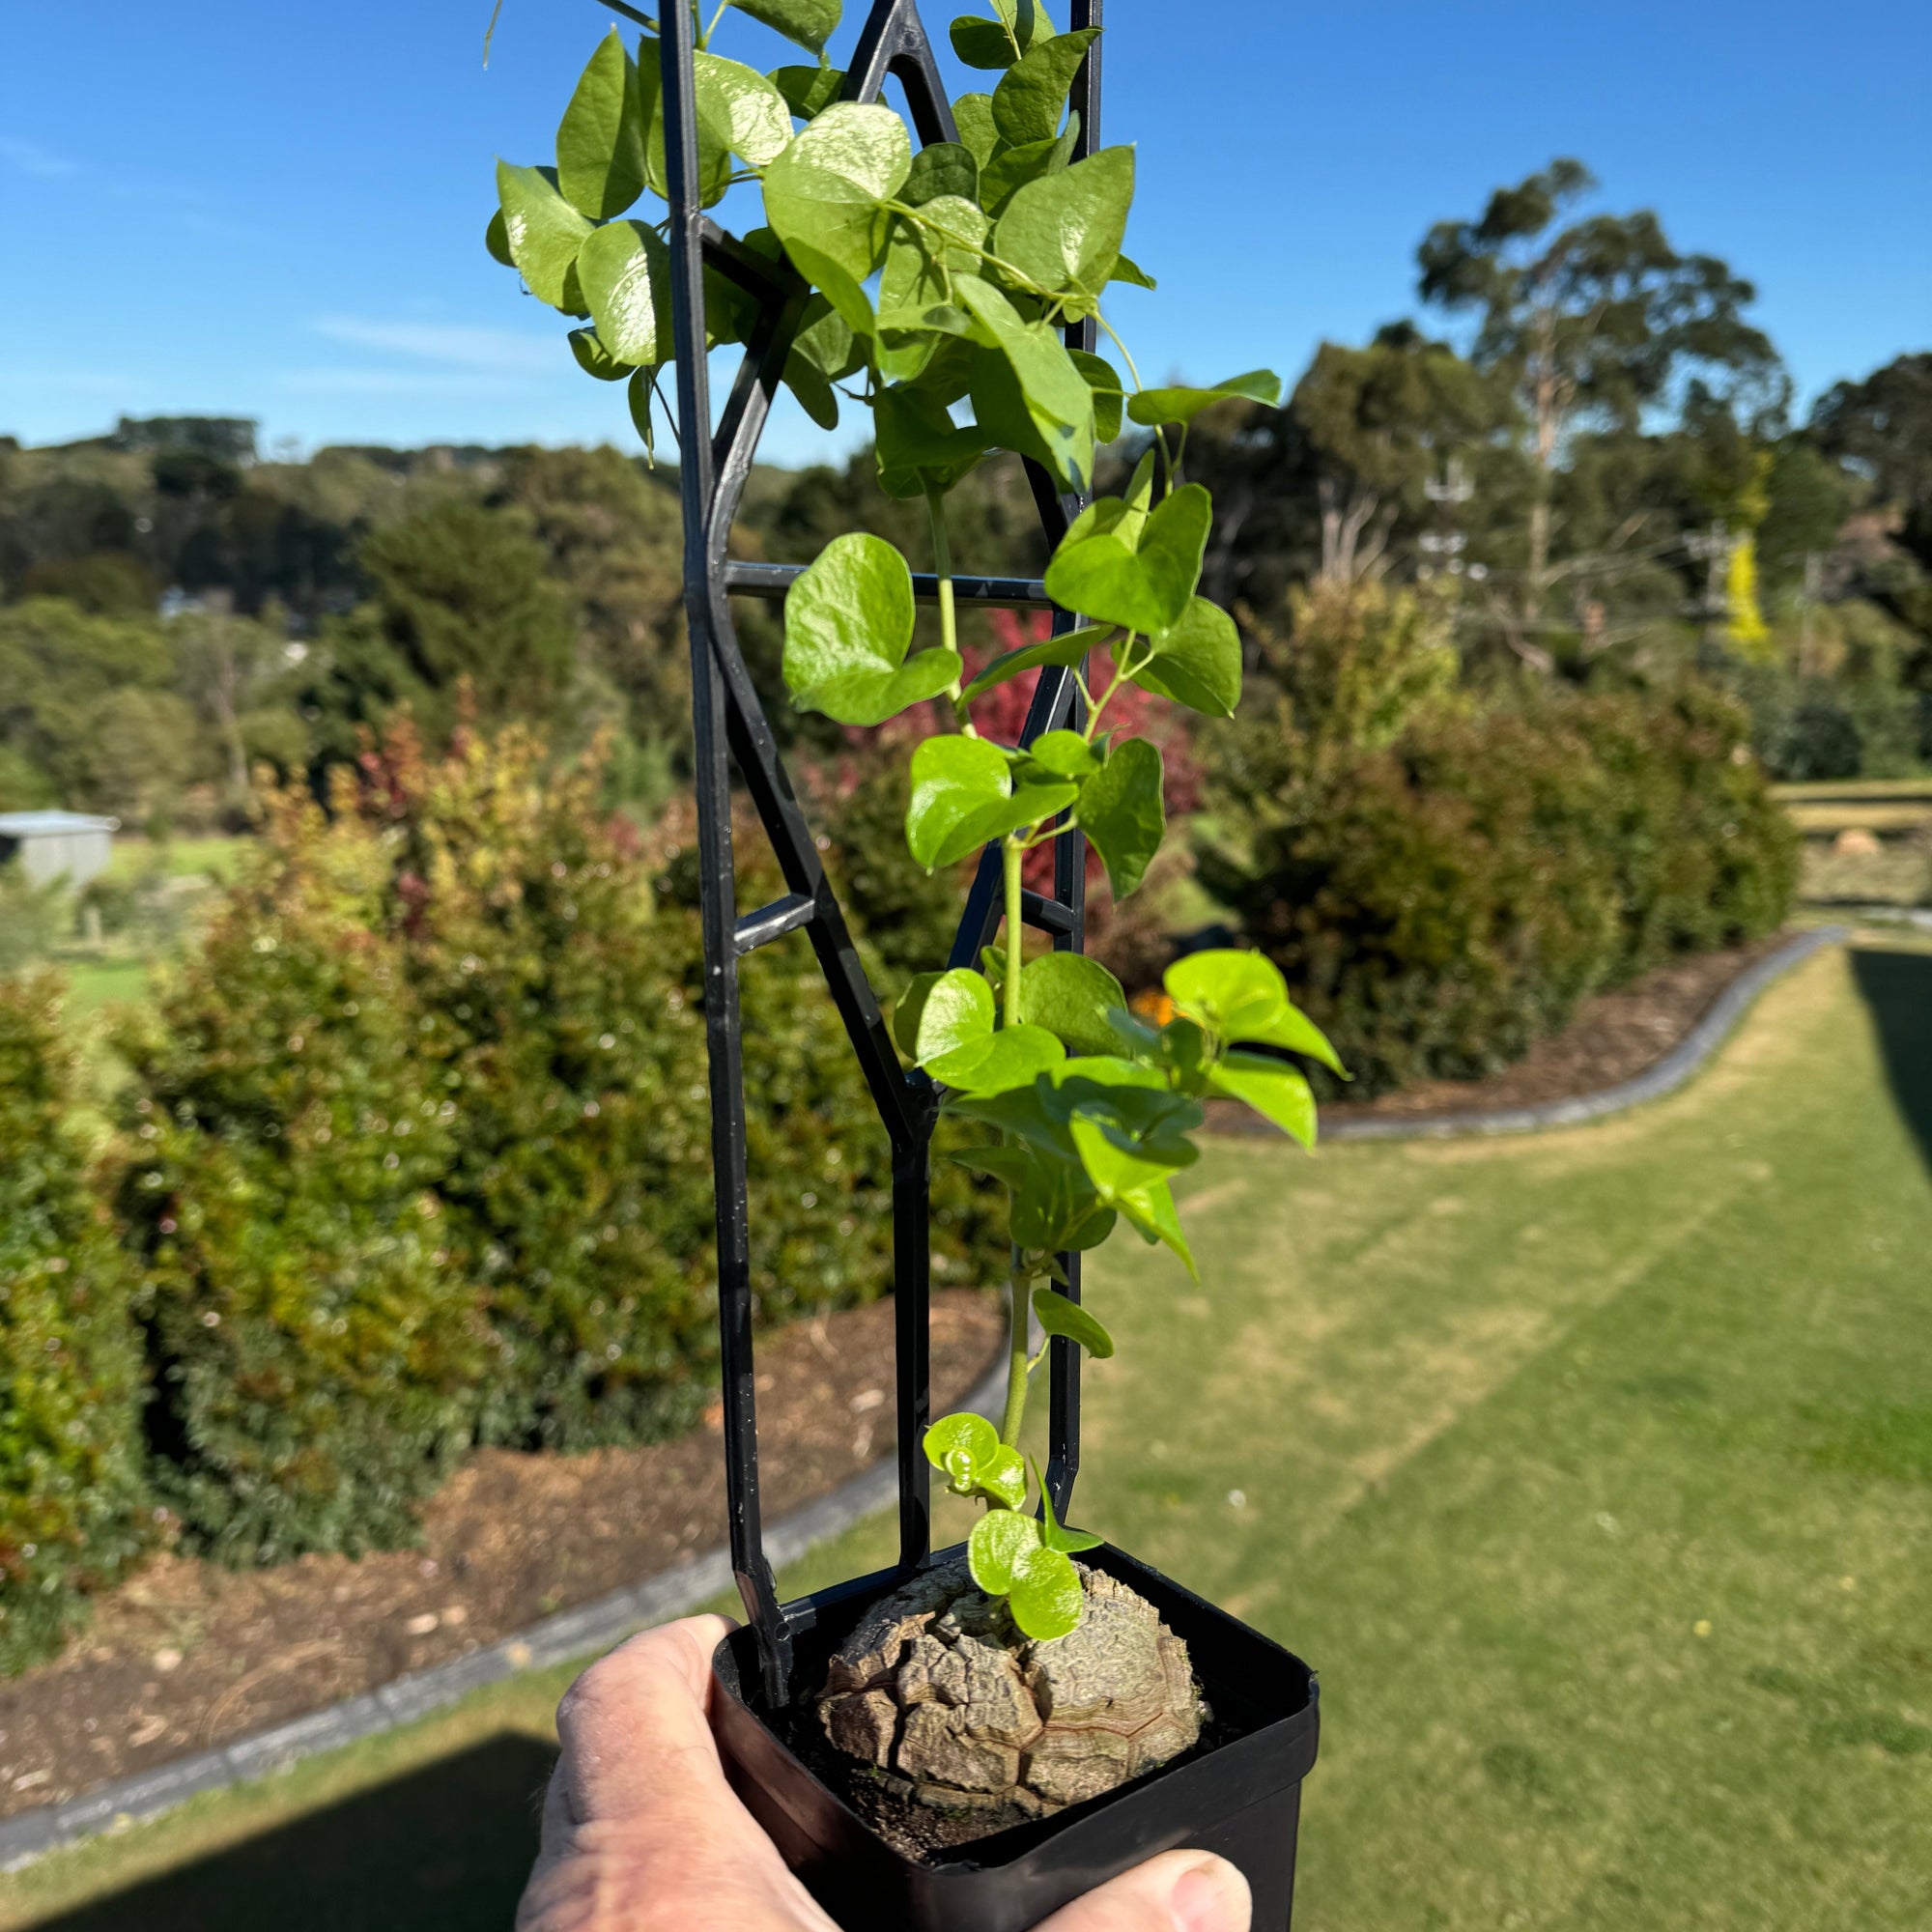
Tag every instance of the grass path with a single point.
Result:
(1593, 1472)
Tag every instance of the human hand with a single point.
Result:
(642, 1834)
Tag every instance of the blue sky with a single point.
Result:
(278, 211)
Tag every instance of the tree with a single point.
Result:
(1590, 321)
(1382, 422)
(1881, 428)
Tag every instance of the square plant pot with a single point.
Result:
(1238, 1794)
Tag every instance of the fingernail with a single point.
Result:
(1211, 1897)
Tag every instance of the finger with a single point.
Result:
(1178, 1891)
(633, 1727)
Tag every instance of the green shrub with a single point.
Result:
(71, 1504)
(1440, 904)
(316, 1345)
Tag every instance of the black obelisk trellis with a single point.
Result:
(731, 726)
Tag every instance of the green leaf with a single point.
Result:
(1057, 1208)
(808, 22)
(1128, 269)
(1066, 648)
(917, 446)
(1003, 1478)
(1013, 1057)
(1071, 996)
(941, 1012)
(983, 43)
(1143, 586)
(1000, 1540)
(973, 118)
(848, 621)
(1120, 1162)
(1032, 93)
(1055, 396)
(1044, 1593)
(1109, 394)
(1277, 1093)
(1241, 996)
(1068, 1542)
(1060, 1316)
(1059, 754)
(748, 115)
(1063, 232)
(594, 360)
(1123, 812)
(1151, 1214)
(962, 1444)
(825, 191)
(497, 239)
(1153, 407)
(599, 142)
(1011, 169)
(543, 232)
(941, 168)
(639, 396)
(963, 797)
(809, 91)
(624, 269)
(1197, 660)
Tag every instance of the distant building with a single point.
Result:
(74, 845)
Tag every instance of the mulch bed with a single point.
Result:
(1613, 1038)
(186, 1654)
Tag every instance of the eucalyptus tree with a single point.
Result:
(1592, 320)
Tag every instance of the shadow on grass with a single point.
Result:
(447, 1847)
(1897, 988)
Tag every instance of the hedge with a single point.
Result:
(72, 1506)
(1439, 904)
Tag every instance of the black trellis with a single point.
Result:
(731, 726)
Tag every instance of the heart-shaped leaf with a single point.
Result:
(1011, 169)
(1044, 1594)
(973, 120)
(1059, 1315)
(1153, 407)
(1122, 810)
(1109, 397)
(1151, 1212)
(983, 43)
(594, 360)
(824, 193)
(1068, 1542)
(1058, 404)
(1065, 647)
(1277, 1093)
(1071, 996)
(942, 169)
(624, 269)
(1032, 93)
(1059, 754)
(809, 91)
(1055, 1208)
(1013, 1057)
(1063, 232)
(808, 22)
(748, 115)
(961, 1444)
(917, 446)
(939, 1012)
(1000, 1541)
(1241, 996)
(848, 623)
(599, 142)
(638, 397)
(1197, 660)
(963, 797)
(1003, 1478)
(543, 234)
(1143, 586)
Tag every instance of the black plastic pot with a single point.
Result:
(1242, 1796)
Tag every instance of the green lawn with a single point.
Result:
(1593, 1472)
(217, 858)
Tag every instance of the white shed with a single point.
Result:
(74, 845)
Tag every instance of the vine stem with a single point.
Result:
(1012, 855)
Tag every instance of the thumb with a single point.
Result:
(1178, 1891)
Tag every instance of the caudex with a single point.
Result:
(941, 281)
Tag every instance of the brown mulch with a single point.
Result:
(186, 1654)
(1613, 1038)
